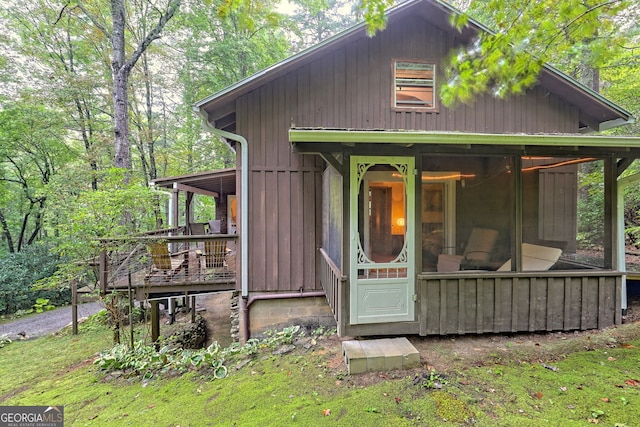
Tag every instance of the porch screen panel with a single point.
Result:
(466, 212)
(332, 215)
(557, 205)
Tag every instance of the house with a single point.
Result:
(364, 201)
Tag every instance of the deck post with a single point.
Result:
(103, 272)
(155, 320)
(74, 308)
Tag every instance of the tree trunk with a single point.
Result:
(7, 233)
(122, 158)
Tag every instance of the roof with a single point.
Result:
(220, 182)
(355, 136)
(596, 111)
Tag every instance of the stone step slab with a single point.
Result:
(379, 355)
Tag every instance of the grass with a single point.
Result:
(310, 387)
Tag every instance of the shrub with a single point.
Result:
(19, 271)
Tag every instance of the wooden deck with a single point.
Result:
(192, 264)
(192, 268)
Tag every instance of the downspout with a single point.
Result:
(244, 211)
(290, 295)
(244, 227)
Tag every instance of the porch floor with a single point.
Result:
(379, 355)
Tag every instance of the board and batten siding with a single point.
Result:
(349, 87)
(352, 88)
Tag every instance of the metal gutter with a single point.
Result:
(244, 196)
(452, 138)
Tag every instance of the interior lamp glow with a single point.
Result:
(400, 222)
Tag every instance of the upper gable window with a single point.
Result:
(414, 85)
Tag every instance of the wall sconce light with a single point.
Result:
(400, 222)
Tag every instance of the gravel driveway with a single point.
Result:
(48, 322)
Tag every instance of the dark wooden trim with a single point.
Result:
(329, 158)
(443, 307)
(610, 209)
(567, 303)
(380, 329)
(516, 260)
(618, 302)
(155, 320)
(623, 164)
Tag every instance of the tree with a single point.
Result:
(32, 150)
(71, 71)
(121, 65)
(217, 52)
(524, 35)
(317, 20)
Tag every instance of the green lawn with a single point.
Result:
(310, 388)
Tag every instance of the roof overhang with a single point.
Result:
(405, 137)
(216, 183)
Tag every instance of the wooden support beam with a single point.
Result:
(516, 241)
(190, 190)
(610, 209)
(155, 320)
(74, 308)
(329, 158)
(623, 164)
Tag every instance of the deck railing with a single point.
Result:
(167, 262)
(333, 282)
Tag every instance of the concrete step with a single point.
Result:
(379, 355)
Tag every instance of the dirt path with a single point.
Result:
(37, 325)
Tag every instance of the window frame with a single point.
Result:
(394, 87)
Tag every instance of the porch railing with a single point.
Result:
(333, 283)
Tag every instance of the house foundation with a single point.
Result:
(277, 313)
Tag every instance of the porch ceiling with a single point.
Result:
(220, 182)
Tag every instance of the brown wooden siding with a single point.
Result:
(348, 88)
(519, 302)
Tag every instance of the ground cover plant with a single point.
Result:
(524, 380)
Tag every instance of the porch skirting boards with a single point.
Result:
(494, 302)
(519, 302)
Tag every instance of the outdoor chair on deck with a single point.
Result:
(214, 253)
(165, 265)
(197, 229)
(535, 258)
(477, 252)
